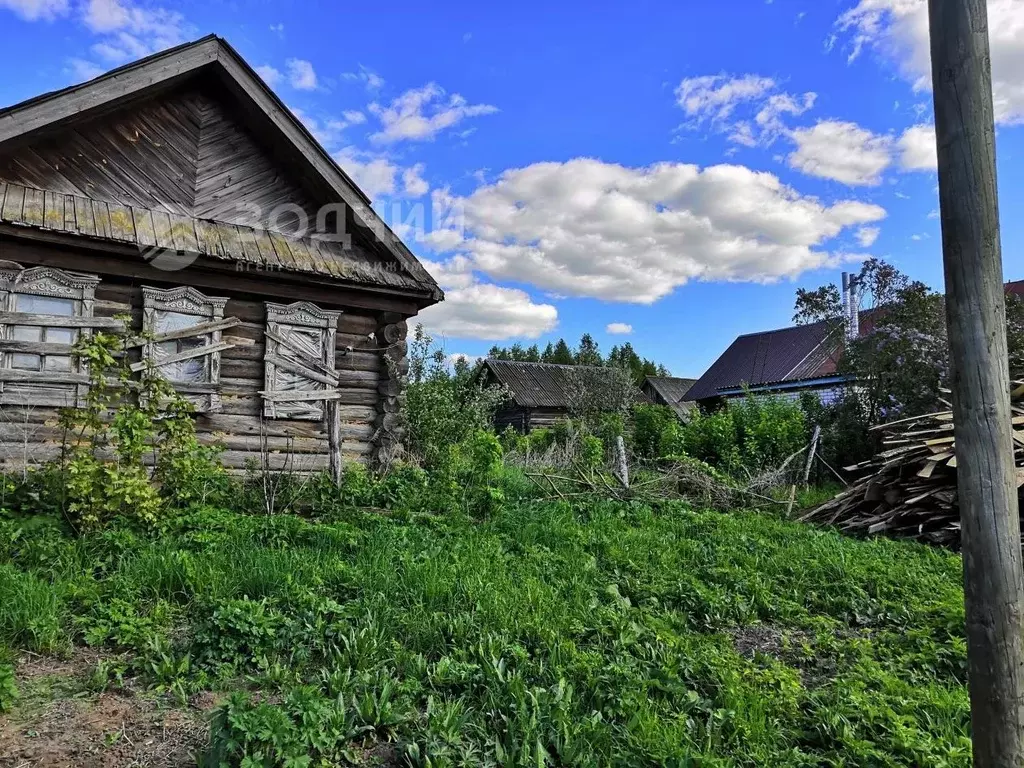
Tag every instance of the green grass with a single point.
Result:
(599, 633)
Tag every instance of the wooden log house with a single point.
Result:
(181, 191)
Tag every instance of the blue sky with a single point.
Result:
(676, 168)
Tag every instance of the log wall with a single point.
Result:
(367, 409)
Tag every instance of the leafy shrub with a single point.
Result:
(655, 430)
(750, 435)
(157, 421)
(845, 424)
(443, 407)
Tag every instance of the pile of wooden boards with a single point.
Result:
(909, 489)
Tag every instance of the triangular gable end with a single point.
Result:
(216, 164)
(180, 152)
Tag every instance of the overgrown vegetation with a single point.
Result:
(457, 613)
(584, 633)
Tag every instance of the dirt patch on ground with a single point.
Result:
(62, 725)
(794, 648)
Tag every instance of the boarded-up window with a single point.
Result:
(186, 341)
(299, 361)
(44, 312)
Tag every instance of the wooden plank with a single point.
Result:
(35, 347)
(162, 229)
(181, 357)
(144, 229)
(59, 321)
(53, 213)
(299, 396)
(307, 373)
(70, 224)
(208, 238)
(193, 330)
(101, 214)
(298, 352)
(247, 241)
(34, 211)
(14, 203)
(122, 224)
(55, 107)
(84, 217)
(43, 377)
(183, 233)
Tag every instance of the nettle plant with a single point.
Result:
(130, 449)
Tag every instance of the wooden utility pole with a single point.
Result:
(975, 314)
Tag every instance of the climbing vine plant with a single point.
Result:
(131, 450)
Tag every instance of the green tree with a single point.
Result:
(444, 404)
(588, 353)
(561, 354)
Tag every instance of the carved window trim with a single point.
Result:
(45, 386)
(279, 358)
(186, 300)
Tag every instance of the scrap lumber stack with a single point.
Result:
(909, 488)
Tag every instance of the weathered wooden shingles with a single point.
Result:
(176, 172)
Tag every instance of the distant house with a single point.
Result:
(539, 393)
(786, 361)
(670, 391)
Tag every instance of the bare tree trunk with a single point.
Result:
(975, 312)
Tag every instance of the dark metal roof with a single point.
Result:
(537, 385)
(670, 391)
(798, 353)
(759, 358)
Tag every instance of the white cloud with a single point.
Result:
(133, 31)
(842, 151)
(748, 108)
(489, 312)
(301, 75)
(379, 176)
(619, 328)
(462, 357)
(917, 148)
(588, 228)
(370, 79)
(714, 98)
(898, 29)
(271, 75)
(375, 175)
(82, 70)
(413, 182)
(328, 130)
(36, 10)
(420, 114)
(278, 29)
(866, 236)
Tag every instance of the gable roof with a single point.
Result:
(760, 358)
(787, 355)
(538, 385)
(204, 61)
(672, 391)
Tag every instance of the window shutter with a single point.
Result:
(186, 341)
(299, 372)
(43, 312)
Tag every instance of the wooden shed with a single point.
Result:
(181, 191)
(539, 394)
